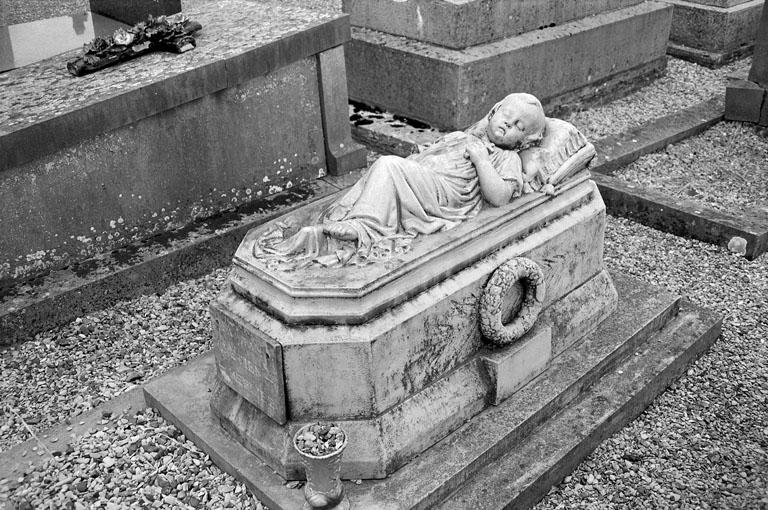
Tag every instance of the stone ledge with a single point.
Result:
(60, 110)
(454, 88)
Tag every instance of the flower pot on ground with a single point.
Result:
(321, 446)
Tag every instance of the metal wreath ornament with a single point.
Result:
(501, 282)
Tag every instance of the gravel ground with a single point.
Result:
(68, 370)
(702, 444)
(684, 85)
(724, 168)
(141, 462)
(24, 11)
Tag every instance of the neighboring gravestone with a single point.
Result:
(747, 99)
(133, 11)
(92, 163)
(445, 62)
(713, 32)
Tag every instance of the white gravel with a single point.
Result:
(704, 442)
(684, 85)
(73, 368)
(724, 168)
(141, 462)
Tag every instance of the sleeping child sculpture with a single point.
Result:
(399, 198)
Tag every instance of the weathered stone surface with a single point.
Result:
(452, 89)
(183, 396)
(416, 413)
(713, 35)
(142, 268)
(133, 11)
(527, 469)
(511, 368)
(468, 23)
(161, 172)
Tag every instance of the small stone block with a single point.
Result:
(511, 368)
(743, 101)
(344, 160)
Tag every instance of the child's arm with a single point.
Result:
(495, 190)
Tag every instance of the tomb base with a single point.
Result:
(713, 32)
(452, 88)
(510, 454)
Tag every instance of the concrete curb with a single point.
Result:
(658, 210)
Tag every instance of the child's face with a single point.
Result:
(513, 123)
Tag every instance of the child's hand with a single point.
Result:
(476, 151)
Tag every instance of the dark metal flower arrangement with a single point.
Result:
(156, 34)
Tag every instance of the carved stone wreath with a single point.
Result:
(501, 282)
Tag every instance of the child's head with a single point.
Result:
(516, 122)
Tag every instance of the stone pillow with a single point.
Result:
(561, 141)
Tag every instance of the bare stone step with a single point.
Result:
(524, 474)
(459, 24)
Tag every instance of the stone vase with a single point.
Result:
(323, 490)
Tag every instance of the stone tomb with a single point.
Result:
(445, 62)
(393, 352)
(90, 164)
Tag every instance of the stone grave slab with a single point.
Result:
(93, 163)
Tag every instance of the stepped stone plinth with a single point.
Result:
(713, 32)
(445, 62)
